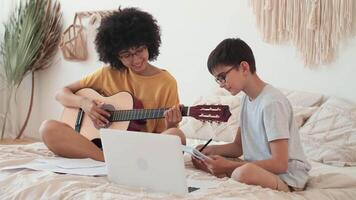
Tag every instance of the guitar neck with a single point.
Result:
(141, 114)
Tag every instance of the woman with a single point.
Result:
(127, 40)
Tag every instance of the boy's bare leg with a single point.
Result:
(254, 175)
(177, 132)
(62, 140)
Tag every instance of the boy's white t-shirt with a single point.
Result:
(267, 118)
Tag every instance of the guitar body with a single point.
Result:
(127, 113)
(120, 101)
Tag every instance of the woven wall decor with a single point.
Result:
(315, 27)
(74, 39)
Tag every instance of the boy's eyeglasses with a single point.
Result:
(126, 55)
(221, 78)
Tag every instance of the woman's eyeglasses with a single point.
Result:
(127, 55)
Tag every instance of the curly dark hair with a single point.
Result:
(124, 29)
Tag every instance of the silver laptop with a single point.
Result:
(151, 161)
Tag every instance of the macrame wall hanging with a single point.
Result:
(315, 27)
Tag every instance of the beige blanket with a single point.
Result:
(326, 183)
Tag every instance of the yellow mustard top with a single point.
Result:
(157, 91)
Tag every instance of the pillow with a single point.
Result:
(296, 98)
(304, 99)
(226, 132)
(329, 136)
(301, 114)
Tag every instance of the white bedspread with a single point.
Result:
(327, 182)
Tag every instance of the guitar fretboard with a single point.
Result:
(141, 114)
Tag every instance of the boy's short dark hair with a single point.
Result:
(126, 28)
(231, 51)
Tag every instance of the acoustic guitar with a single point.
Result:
(127, 113)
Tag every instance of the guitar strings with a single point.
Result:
(137, 114)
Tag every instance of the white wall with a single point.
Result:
(190, 30)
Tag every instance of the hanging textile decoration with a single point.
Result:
(315, 27)
(74, 40)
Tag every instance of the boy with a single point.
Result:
(267, 137)
(126, 40)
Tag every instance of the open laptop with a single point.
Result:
(151, 161)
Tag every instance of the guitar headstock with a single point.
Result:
(211, 113)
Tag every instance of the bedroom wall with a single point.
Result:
(190, 30)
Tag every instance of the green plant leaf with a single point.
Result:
(31, 39)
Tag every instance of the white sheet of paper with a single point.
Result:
(70, 163)
(42, 166)
(194, 152)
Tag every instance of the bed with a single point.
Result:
(328, 132)
(327, 182)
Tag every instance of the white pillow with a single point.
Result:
(304, 99)
(301, 114)
(226, 132)
(296, 98)
(329, 136)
